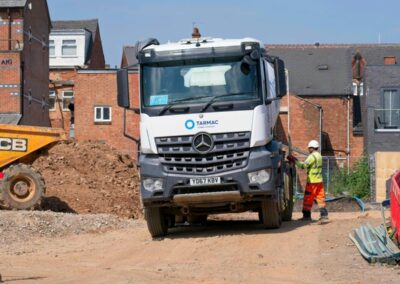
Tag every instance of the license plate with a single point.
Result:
(205, 181)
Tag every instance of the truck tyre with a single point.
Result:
(156, 221)
(288, 194)
(270, 215)
(22, 187)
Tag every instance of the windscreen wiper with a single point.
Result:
(177, 102)
(212, 100)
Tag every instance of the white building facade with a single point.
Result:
(69, 48)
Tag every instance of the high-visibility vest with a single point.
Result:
(313, 165)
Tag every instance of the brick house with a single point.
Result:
(24, 62)
(321, 99)
(97, 115)
(326, 90)
(73, 45)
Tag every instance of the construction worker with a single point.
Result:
(315, 185)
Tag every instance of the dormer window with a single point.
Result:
(69, 48)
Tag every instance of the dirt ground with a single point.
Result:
(229, 249)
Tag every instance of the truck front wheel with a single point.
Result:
(270, 215)
(157, 223)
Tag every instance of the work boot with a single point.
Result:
(323, 220)
(324, 216)
(323, 212)
(306, 216)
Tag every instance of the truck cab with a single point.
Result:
(208, 108)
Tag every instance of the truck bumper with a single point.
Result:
(235, 185)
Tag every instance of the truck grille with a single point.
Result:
(230, 152)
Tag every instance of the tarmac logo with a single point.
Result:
(13, 144)
(189, 124)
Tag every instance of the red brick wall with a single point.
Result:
(10, 74)
(10, 59)
(36, 65)
(305, 124)
(16, 19)
(93, 89)
(335, 113)
(97, 60)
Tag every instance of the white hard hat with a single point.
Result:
(313, 144)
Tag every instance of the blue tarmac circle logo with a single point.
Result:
(189, 124)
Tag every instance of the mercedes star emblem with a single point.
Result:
(203, 143)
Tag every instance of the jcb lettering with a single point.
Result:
(13, 144)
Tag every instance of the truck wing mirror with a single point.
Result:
(123, 88)
(280, 77)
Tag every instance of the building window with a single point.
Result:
(357, 91)
(52, 100)
(389, 116)
(52, 48)
(66, 99)
(69, 47)
(102, 114)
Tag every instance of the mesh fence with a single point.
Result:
(330, 166)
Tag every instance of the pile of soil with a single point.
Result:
(89, 177)
(345, 204)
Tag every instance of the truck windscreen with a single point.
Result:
(169, 84)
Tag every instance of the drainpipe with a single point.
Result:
(348, 135)
(320, 128)
(9, 28)
(288, 98)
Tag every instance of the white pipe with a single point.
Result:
(348, 135)
(320, 129)
(288, 97)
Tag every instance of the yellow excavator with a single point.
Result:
(21, 186)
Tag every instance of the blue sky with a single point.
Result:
(272, 21)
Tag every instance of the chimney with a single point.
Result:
(389, 60)
(196, 33)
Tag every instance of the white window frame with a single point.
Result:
(64, 97)
(52, 94)
(101, 119)
(65, 44)
(52, 46)
(355, 87)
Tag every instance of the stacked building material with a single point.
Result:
(375, 244)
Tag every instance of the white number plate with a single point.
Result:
(205, 181)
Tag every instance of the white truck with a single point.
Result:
(208, 107)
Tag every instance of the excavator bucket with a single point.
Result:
(19, 142)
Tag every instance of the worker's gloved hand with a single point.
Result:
(291, 158)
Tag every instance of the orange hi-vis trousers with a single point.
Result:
(314, 191)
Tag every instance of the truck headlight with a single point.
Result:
(260, 177)
(153, 184)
